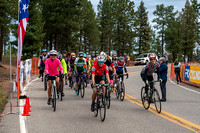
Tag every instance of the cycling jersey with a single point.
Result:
(114, 61)
(80, 63)
(92, 61)
(119, 67)
(148, 70)
(99, 71)
(64, 65)
(72, 63)
(51, 67)
(42, 60)
(110, 65)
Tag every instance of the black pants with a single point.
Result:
(150, 79)
(163, 89)
(178, 76)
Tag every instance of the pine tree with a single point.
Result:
(188, 29)
(143, 29)
(4, 25)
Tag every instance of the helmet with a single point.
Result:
(44, 50)
(68, 54)
(85, 55)
(88, 56)
(64, 52)
(53, 52)
(152, 56)
(101, 58)
(121, 59)
(60, 56)
(73, 54)
(81, 54)
(104, 54)
(115, 55)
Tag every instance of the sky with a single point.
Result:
(151, 5)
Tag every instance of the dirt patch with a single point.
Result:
(5, 77)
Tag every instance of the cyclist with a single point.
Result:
(66, 58)
(148, 70)
(114, 58)
(97, 76)
(71, 66)
(41, 63)
(112, 71)
(80, 69)
(64, 65)
(51, 69)
(89, 66)
(120, 65)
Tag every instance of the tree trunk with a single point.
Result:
(56, 42)
(1, 43)
(51, 42)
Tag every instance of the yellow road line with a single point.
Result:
(135, 72)
(189, 125)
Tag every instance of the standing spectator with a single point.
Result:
(166, 58)
(177, 66)
(186, 59)
(163, 77)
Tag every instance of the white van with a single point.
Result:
(143, 59)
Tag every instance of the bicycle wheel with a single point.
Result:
(54, 99)
(156, 100)
(145, 99)
(82, 88)
(45, 83)
(96, 108)
(122, 93)
(102, 108)
(107, 98)
(116, 92)
(61, 89)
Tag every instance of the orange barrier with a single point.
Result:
(182, 73)
(35, 69)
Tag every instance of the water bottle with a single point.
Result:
(149, 92)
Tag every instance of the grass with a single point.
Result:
(3, 100)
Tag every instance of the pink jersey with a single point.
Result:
(51, 67)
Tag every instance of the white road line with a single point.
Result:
(22, 119)
(184, 87)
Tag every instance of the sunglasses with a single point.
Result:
(152, 59)
(100, 62)
(53, 55)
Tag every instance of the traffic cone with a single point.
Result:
(28, 104)
(25, 111)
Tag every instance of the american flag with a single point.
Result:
(23, 20)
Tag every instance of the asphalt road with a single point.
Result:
(179, 114)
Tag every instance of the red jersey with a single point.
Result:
(98, 71)
(95, 62)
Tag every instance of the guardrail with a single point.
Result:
(189, 72)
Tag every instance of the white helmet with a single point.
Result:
(103, 54)
(101, 58)
(53, 52)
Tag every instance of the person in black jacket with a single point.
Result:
(163, 77)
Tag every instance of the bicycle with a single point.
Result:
(107, 96)
(71, 81)
(45, 81)
(54, 93)
(100, 103)
(151, 97)
(60, 88)
(81, 86)
(120, 87)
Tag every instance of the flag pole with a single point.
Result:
(17, 80)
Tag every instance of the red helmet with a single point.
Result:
(152, 56)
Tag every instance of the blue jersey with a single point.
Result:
(119, 66)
